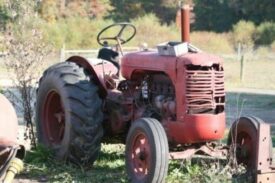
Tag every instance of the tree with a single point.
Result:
(213, 15)
(244, 33)
(99, 8)
(221, 15)
(256, 11)
(4, 16)
(25, 54)
(125, 10)
(49, 10)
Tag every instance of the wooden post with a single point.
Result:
(62, 53)
(241, 55)
(242, 67)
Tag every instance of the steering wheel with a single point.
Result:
(118, 38)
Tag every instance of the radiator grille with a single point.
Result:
(205, 89)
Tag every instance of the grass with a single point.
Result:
(40, 165)
(110, 168)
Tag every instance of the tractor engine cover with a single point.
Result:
(144, 61)
(8, 123)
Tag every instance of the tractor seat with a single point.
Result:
(109, 55)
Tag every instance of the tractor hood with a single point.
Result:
(152, 61)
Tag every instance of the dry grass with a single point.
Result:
(259, 73)
(212, 42)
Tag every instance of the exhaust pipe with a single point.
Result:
(185, 23)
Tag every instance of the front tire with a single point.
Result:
(147, 152)
(243, 141)
(68, 113)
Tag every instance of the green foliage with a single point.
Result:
(49, 10)
(220, 15)
(80, 33)
(214, 15)
(197, 171)
(129, 9)
(244, 33)
(108, 168)
(74, 32)
(75, 26)
(126, 10)
(39, 154)
(265, 34)
(256, 11)
(4, 17)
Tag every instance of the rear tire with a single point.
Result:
(147, 152)
(69, 113)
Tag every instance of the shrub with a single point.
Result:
(243, 33)
(1, 42)
(265, 33)
(74, 32)
(150, 30)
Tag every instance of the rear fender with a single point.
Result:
(98, 76)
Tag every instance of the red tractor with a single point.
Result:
(11, 153)
(160, 106)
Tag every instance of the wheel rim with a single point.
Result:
(140, 155)
(53, 118)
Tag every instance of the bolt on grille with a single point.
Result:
(205, 89)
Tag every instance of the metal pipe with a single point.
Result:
(185, 23)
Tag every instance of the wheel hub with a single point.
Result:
(245, 147)
(140, 155)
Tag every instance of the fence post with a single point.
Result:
(62, 53)
(242, 67)
(241, 57)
